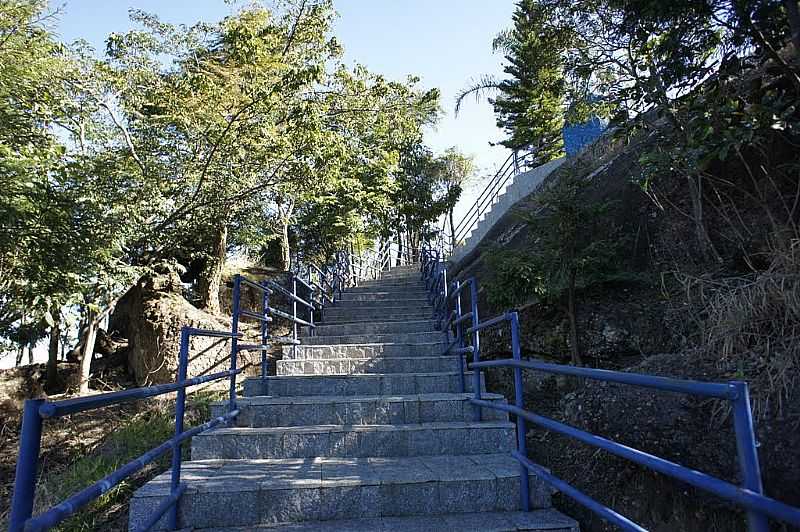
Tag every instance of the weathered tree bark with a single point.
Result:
(399, 248)
(286, 251)
(87, 352)
(452, 229)
(20, 354)
(52, 353)
(793, 16)
(211, 277)
(573, 319)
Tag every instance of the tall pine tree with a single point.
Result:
(530, 105)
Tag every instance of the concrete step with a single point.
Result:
(387, 350)
(354, 366)
(389, 285)
(265, 411)
(381, 295)
(355, 441)
(412, 338)
(373, 327)
(534, 521)
(397, 301)
(368, 384)
(368, 313)
(248, 493)
(367, 317)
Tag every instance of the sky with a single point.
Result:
(444, 42)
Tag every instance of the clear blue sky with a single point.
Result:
(445, 42)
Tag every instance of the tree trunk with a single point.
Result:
(452, 229)
(573, 320)
(211, 277)
(286, 251)
(793, 16)
(20, 354)
(30, 352)
(52, 353)
(399, 248)
(87, 352)
(704, 241)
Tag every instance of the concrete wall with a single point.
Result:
(523, 184)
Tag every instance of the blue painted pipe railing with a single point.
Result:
(333, 277)
(37, 410)
(749, 495)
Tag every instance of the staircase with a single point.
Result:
(362, 429)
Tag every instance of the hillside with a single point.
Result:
(653, 301)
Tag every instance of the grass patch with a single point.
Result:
(150, 425)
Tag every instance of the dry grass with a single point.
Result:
(751, 325)
(83, 448)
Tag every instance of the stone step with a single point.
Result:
(415, 338)
(265, 411)
(388, 286)
(533, 521)
(355, 441)
(367, 384)
(382, 295)
(366, 317)
(373, 327)
(397, 301)
(353, 366)
(321, 352)
(246, 493)
(361, 313)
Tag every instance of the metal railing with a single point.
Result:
(465, 329)
(515, 164)
(323, 286)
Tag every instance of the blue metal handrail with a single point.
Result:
(35, 411)
(749, 495)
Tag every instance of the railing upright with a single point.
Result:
(294, 313)
(460, 338)
(748, 455)
(264, 334)
(237, 292)
(180, 410)
(519, 402)
(476, 346)
(27, 465)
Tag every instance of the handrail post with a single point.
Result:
(522, 446)
(237, 292)
(460, 337)
(27, 465)
(476, 346)
(294, 314)
(264, 336)
(180, 409)
(748, 454)
(311, 311)
(443, 314)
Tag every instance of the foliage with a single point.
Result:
(570, 234)
(150, 426)
(530, 104)
(183, 143)
(576, 246)
(61, 240)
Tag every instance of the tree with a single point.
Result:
(453, 171)
(572, 248)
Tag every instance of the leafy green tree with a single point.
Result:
(573, 247)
